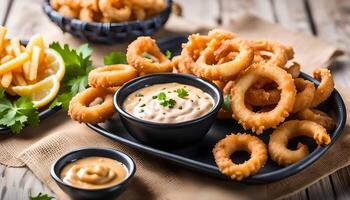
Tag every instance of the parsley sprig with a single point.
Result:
(168, 54)
(115, 58)
(78, 65)
(164, 101)
(182, 93)
(227, 103)
(15, 115)
(41, 196)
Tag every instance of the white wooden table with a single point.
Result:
(327, 19)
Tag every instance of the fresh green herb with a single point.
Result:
(172, 103)
(15, 115)
(139, 95)
(227, 103)
(78, 65)
(163, 101)
(182, 93)
(115, 57)
(2, 92)
(161, 96)
(142, 110)
(41, 196)
(168, 54)
(143, 105)
(146, 55)
(180, 107)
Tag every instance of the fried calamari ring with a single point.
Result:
(260, 121)
(326, 87)
(207, 67)
(305, 94)
(264, 92)
(279, 140)
(111, 75)
(144, 54)
(278, 54)
(217, 36)
(94, 105)
(240, 142)
(262, 97)
(86, 15)
(179, 65)
(294, 70)
(317, 116)
(115, 10)
(138, 13)
(191, 52)
(68, 11)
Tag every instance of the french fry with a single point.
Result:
(34, 64)
(26, 69)
(3, 32)
(23, 49)
(6, 80)
(14, 63)
(10, 91)
(16, 46)
(6, 59)
(36, 40)
(19, 80)
(9, 49)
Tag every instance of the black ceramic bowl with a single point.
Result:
(105, 193)
(108, 33)
(169, 134)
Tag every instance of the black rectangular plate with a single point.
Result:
(199, 156)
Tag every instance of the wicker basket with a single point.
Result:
(108, 33)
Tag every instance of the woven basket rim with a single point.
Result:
(50, 11)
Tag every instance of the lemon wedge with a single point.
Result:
(42, 92)
(53, 65)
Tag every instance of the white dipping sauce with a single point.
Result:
(168, 103)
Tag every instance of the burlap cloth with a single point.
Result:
(155, 178)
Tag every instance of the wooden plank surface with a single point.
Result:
(4, 6)
(332, 23)
(207, 11)
(231, 9)
(331, 20)
(19, 183)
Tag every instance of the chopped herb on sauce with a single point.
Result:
(182, 93)
(139, 95)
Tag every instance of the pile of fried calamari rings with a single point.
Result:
(95, 105)
(262, 90)
(108, 10)
(261, 86)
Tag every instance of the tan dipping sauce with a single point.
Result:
(168, 103)
(94, 173)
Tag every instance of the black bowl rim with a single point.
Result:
(47, 5)
(214, 110)
(131, 171)
(255, 179)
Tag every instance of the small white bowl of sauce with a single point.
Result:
(93, 173)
